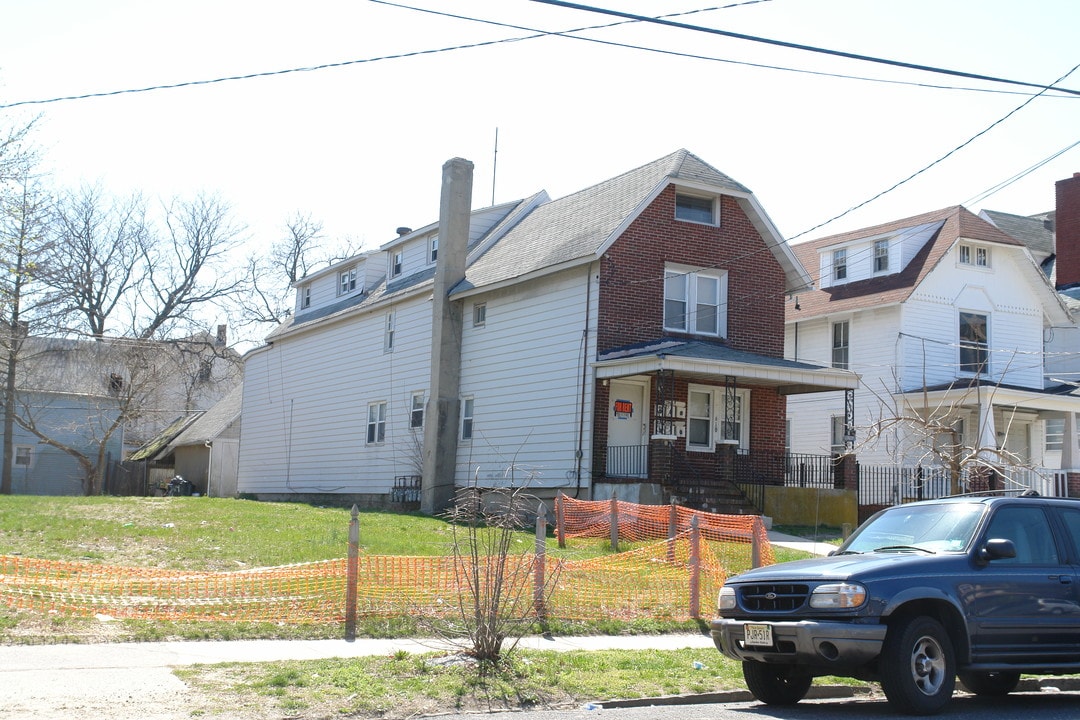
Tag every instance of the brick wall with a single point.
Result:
(632, 277)
(1067, 230)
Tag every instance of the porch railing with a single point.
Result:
(631, 461)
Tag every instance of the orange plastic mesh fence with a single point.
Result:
(636, 523)
(650, 581)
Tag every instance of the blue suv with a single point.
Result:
(983, 588)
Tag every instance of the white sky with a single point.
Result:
(361, 147)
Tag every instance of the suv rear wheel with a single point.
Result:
(918, 670)
(776, 684)
(992, 684)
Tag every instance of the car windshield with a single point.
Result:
(940, 527)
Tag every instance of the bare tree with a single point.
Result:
(24, 214)
(187, 268)
(100, 243)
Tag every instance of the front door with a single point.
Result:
(628, 424)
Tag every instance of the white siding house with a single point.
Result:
(952, 337)
(560, 307)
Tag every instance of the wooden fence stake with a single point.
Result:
(695, 569)
(614, 523)
(351, 575)
(560, 520)
(539, 574)
(672, 531)
(757, 529)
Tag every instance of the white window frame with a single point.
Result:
(714, 417)
(982, 349)
(479, 317)
(24, 456)
(433, 249)
(837, 446)
(346, 281)
(397, 263)
(684, 285)
(691, 208)
(974, 255)
(305, 297)
(881, 256)
(468, 410)
(389, 330)
(839, 265)
(1054, 434)
(843, 347)
(376, 424)
(416, 411)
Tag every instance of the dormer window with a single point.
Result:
(881, 256)
(694, 208)
(974, 255)
(839, 264)
(395, 264)
(433, 253)
(347, 281)
(305, 297)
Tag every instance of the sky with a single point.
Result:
(360, 147)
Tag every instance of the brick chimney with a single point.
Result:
(1067, 233)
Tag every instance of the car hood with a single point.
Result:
(840, 567)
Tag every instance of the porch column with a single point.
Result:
(1068, 443)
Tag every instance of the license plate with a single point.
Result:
(757, 635)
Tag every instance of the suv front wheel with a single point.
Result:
(918, 668)
(776, 684)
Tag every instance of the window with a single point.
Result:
(881, 256)
(376, 423)
(206, 371)
(305, 297)
(347, 281)
(974, 255)
(694, 301)
(1029, 530)
(837, 446)
(434, 252)
(116, 383)
(23, 455)
(388, 334)
(1055, 434)
(840, 345)
(466, 418)
(395, 264)
(839, 264)
(973, 342)
(416, 412)
(695, 209)
(479, 314)
(707, 419)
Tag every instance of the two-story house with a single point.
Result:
(950, 323)
(626, 338)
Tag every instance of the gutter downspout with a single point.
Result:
(209, 463)
(584, 382)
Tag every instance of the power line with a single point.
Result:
(798, 46)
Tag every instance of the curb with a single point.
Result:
(817, 692)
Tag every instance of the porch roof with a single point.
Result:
(714, 361)
(1064, 397)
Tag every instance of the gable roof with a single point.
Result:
(1035, 231)
(581, 226)
(213, 422)
(955, 222)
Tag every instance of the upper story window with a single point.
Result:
(416, 411)
(695, 301)
(376, 425)
(695, 208)
(466, 418)
(305, 297)
(881, 256)
(974, 255)
(839, 264)
(346, 281)
(840, 349)
(23, 455)
(433, 249)
(388, 333)
(396, 260)
(479, 314)
(974, 345)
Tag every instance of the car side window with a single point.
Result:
(1072, 526)
(1029, 530)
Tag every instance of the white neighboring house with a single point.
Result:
(945, 317)
(550, 343)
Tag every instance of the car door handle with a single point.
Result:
(1063, 579)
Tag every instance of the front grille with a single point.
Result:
(774, 597)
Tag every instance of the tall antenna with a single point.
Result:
(494, 166)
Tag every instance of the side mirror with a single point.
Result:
(996, 549)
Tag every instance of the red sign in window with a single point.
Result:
(624, 407)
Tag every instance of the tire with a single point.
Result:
(990, 684)
(918, 666)
(776, 684)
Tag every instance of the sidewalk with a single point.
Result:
(798, 543)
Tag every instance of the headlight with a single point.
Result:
(838, 596)
(726, 600)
